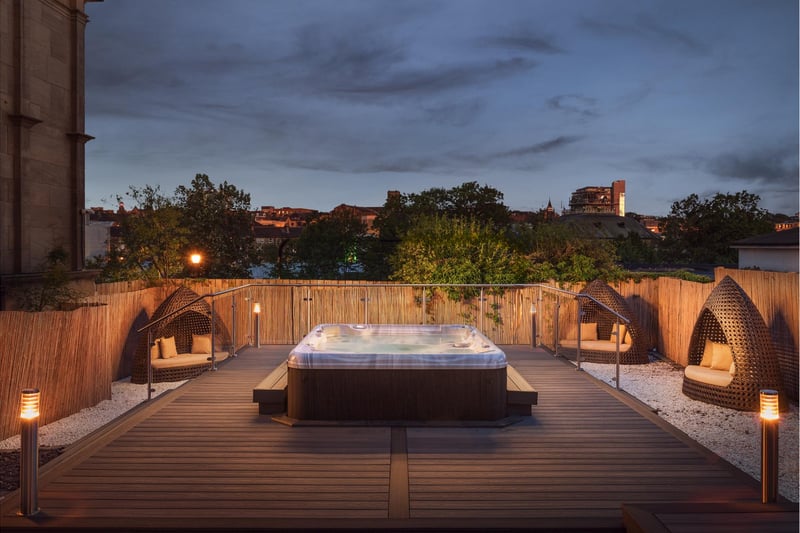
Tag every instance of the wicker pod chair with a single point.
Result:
(194, 319)
(636, 353)
(731, 318)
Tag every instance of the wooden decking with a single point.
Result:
(202, 458)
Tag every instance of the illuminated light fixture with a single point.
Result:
(29, 453)
(196, 258)
(770, 409)
(29, 406)
(770, 414)
(257, 313)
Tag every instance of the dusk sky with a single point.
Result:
(317, 103)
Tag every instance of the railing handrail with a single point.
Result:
(367, 285)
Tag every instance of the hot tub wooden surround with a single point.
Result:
(410, 396)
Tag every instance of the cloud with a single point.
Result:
(775, 166)
(646, 29)
(437, 79)
(539, 148)
(456, 113)
(543, 147)
(525, 42)
(574, 104)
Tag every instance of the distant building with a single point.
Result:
(366, 215)
(291, 217)
(275, 236)
(606, 226)
(791, 223)
(599, 199)
(778, 251)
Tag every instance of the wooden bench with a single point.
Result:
(520, 396)
(270, 394)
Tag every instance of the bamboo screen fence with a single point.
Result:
(73, 357)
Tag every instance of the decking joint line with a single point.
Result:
(398, 475)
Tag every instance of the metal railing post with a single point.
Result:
(213, 336)
(555, 326)
(233, 324)
(149, 363)
(580, 317)
(483, 312)
(616, 379)
(308, 309)
(424, 318)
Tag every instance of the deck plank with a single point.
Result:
(201, 457)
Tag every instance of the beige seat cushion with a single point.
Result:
(708, 354)
(188, 359)
(600, 346)
(720, 378)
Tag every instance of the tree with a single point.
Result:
(218, 222)
(330, 247)
(401, 212)
(153, 239)
(441, 249)
(701, 231)
(556, 251)
(55, 291)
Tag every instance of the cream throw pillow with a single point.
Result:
(201, 343)
(168, 348)
(708, 354)
(722, 358)
(155, 350)
(623, 333)
(589, 331)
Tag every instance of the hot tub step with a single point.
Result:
(520, 396)
(270, 394)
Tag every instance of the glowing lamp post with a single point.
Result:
(770, 415)
(257, 316)
(29, 453)
(194, 260)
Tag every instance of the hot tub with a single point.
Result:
(396, 372)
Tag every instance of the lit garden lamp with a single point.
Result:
(770, 415)
(195, 259)
(29, 453)
(257, 316)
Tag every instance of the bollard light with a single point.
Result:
(533, 326)
(770, 409)
(770, 415)
(29, 404)
(257, 308)
(29, 452)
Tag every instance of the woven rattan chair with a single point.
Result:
(730, 317)
(636, 354)
(192, 320)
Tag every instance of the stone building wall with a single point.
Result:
(42, 136)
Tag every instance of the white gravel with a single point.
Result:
(124, 397)
(733, 435)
